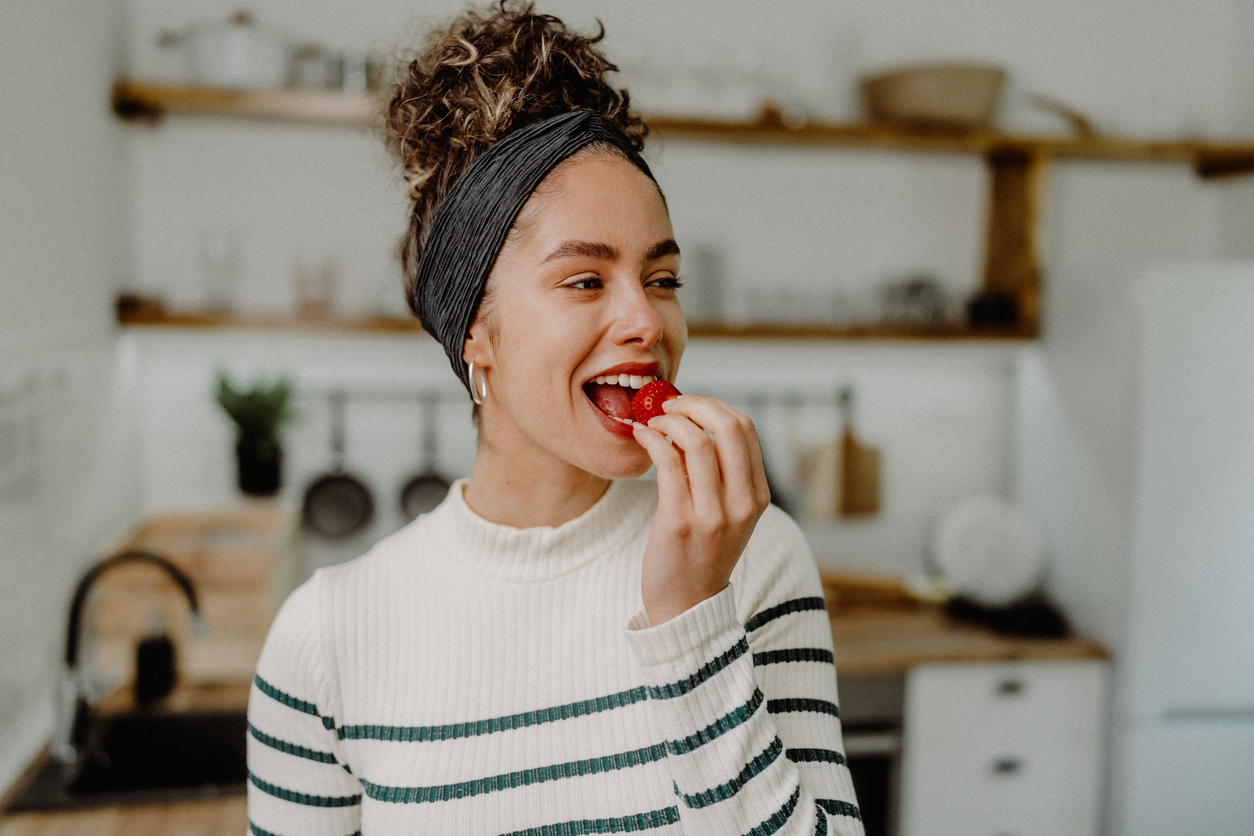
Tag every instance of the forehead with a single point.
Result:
(594, 196)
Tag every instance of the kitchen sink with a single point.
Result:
(143, 758)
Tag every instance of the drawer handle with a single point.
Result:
(1007, 766)
(1011, 688)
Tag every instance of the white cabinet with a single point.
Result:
(1002, 749)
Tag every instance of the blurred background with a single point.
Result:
(992, 316)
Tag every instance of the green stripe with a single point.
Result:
(840, 808)
(453, 731)
(786, 706)
(683, 686)
(512, 780)
(779, 818)
(257, 831)
(287, 699)
(793, 654)
(623, 824)
(291, 748)
(723, 792)
(302, 798)
(815, 756)
(820, 822)
(718, 728)
(786, 608)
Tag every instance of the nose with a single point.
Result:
(635, 320)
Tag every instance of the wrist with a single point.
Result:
(662, 610)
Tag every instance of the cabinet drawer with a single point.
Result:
(985, 786)
(1001, 749)
(1012, 703)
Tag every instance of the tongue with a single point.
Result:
(611, 399)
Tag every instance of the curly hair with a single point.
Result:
(470, 85)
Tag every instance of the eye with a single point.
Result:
(586, 283)
(667, 282)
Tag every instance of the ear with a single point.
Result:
(478, 348)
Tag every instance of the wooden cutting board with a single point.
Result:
(859, 476)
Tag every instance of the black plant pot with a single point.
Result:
(260, 463)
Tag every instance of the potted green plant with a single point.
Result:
(259, 413)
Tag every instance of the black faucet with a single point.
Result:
(154, 663)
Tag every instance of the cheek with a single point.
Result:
(674, 332)
(540, 345)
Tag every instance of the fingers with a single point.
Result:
(672, 476)
(735, 441)
(701, 460)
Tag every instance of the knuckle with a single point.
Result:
(742, 514)
(711, 525)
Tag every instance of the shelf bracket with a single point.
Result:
(1017, 179)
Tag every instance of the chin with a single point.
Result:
(627, 464)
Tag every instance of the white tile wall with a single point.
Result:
(65, 490)
(941, 415)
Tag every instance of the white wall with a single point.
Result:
(64, 235)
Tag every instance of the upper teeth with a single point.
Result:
(631, 381)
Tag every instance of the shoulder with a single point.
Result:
(334, 592)
(776, 569)
(399, 554)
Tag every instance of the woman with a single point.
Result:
(555, 649)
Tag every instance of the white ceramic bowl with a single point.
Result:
(960, 96)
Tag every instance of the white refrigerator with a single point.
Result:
(1185, 746)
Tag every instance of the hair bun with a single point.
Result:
(484, 76)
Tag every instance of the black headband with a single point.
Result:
(471, 224)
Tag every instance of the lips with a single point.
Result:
(611, 391)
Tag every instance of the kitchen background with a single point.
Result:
(101, 425)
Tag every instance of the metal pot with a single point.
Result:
(337, 504)
(429, 487)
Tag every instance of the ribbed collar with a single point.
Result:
(530, 555)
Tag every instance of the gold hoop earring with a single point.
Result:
(474, 390)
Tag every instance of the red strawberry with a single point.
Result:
(648, 401)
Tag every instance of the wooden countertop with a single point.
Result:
(195, 696)
(872, 640)
(219, 817)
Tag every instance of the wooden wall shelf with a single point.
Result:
(701, 330)
(138, 100)
(1018, 168)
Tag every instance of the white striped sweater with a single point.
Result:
(465, 677)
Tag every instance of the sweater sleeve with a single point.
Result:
(748, 707)
(298, 780)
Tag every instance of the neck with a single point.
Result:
(523, 486)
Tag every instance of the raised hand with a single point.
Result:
(711, 492)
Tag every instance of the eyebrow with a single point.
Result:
(585, 249)
(604, 252)
(662, 249)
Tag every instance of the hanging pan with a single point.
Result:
(337, 504)
(428, 488)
